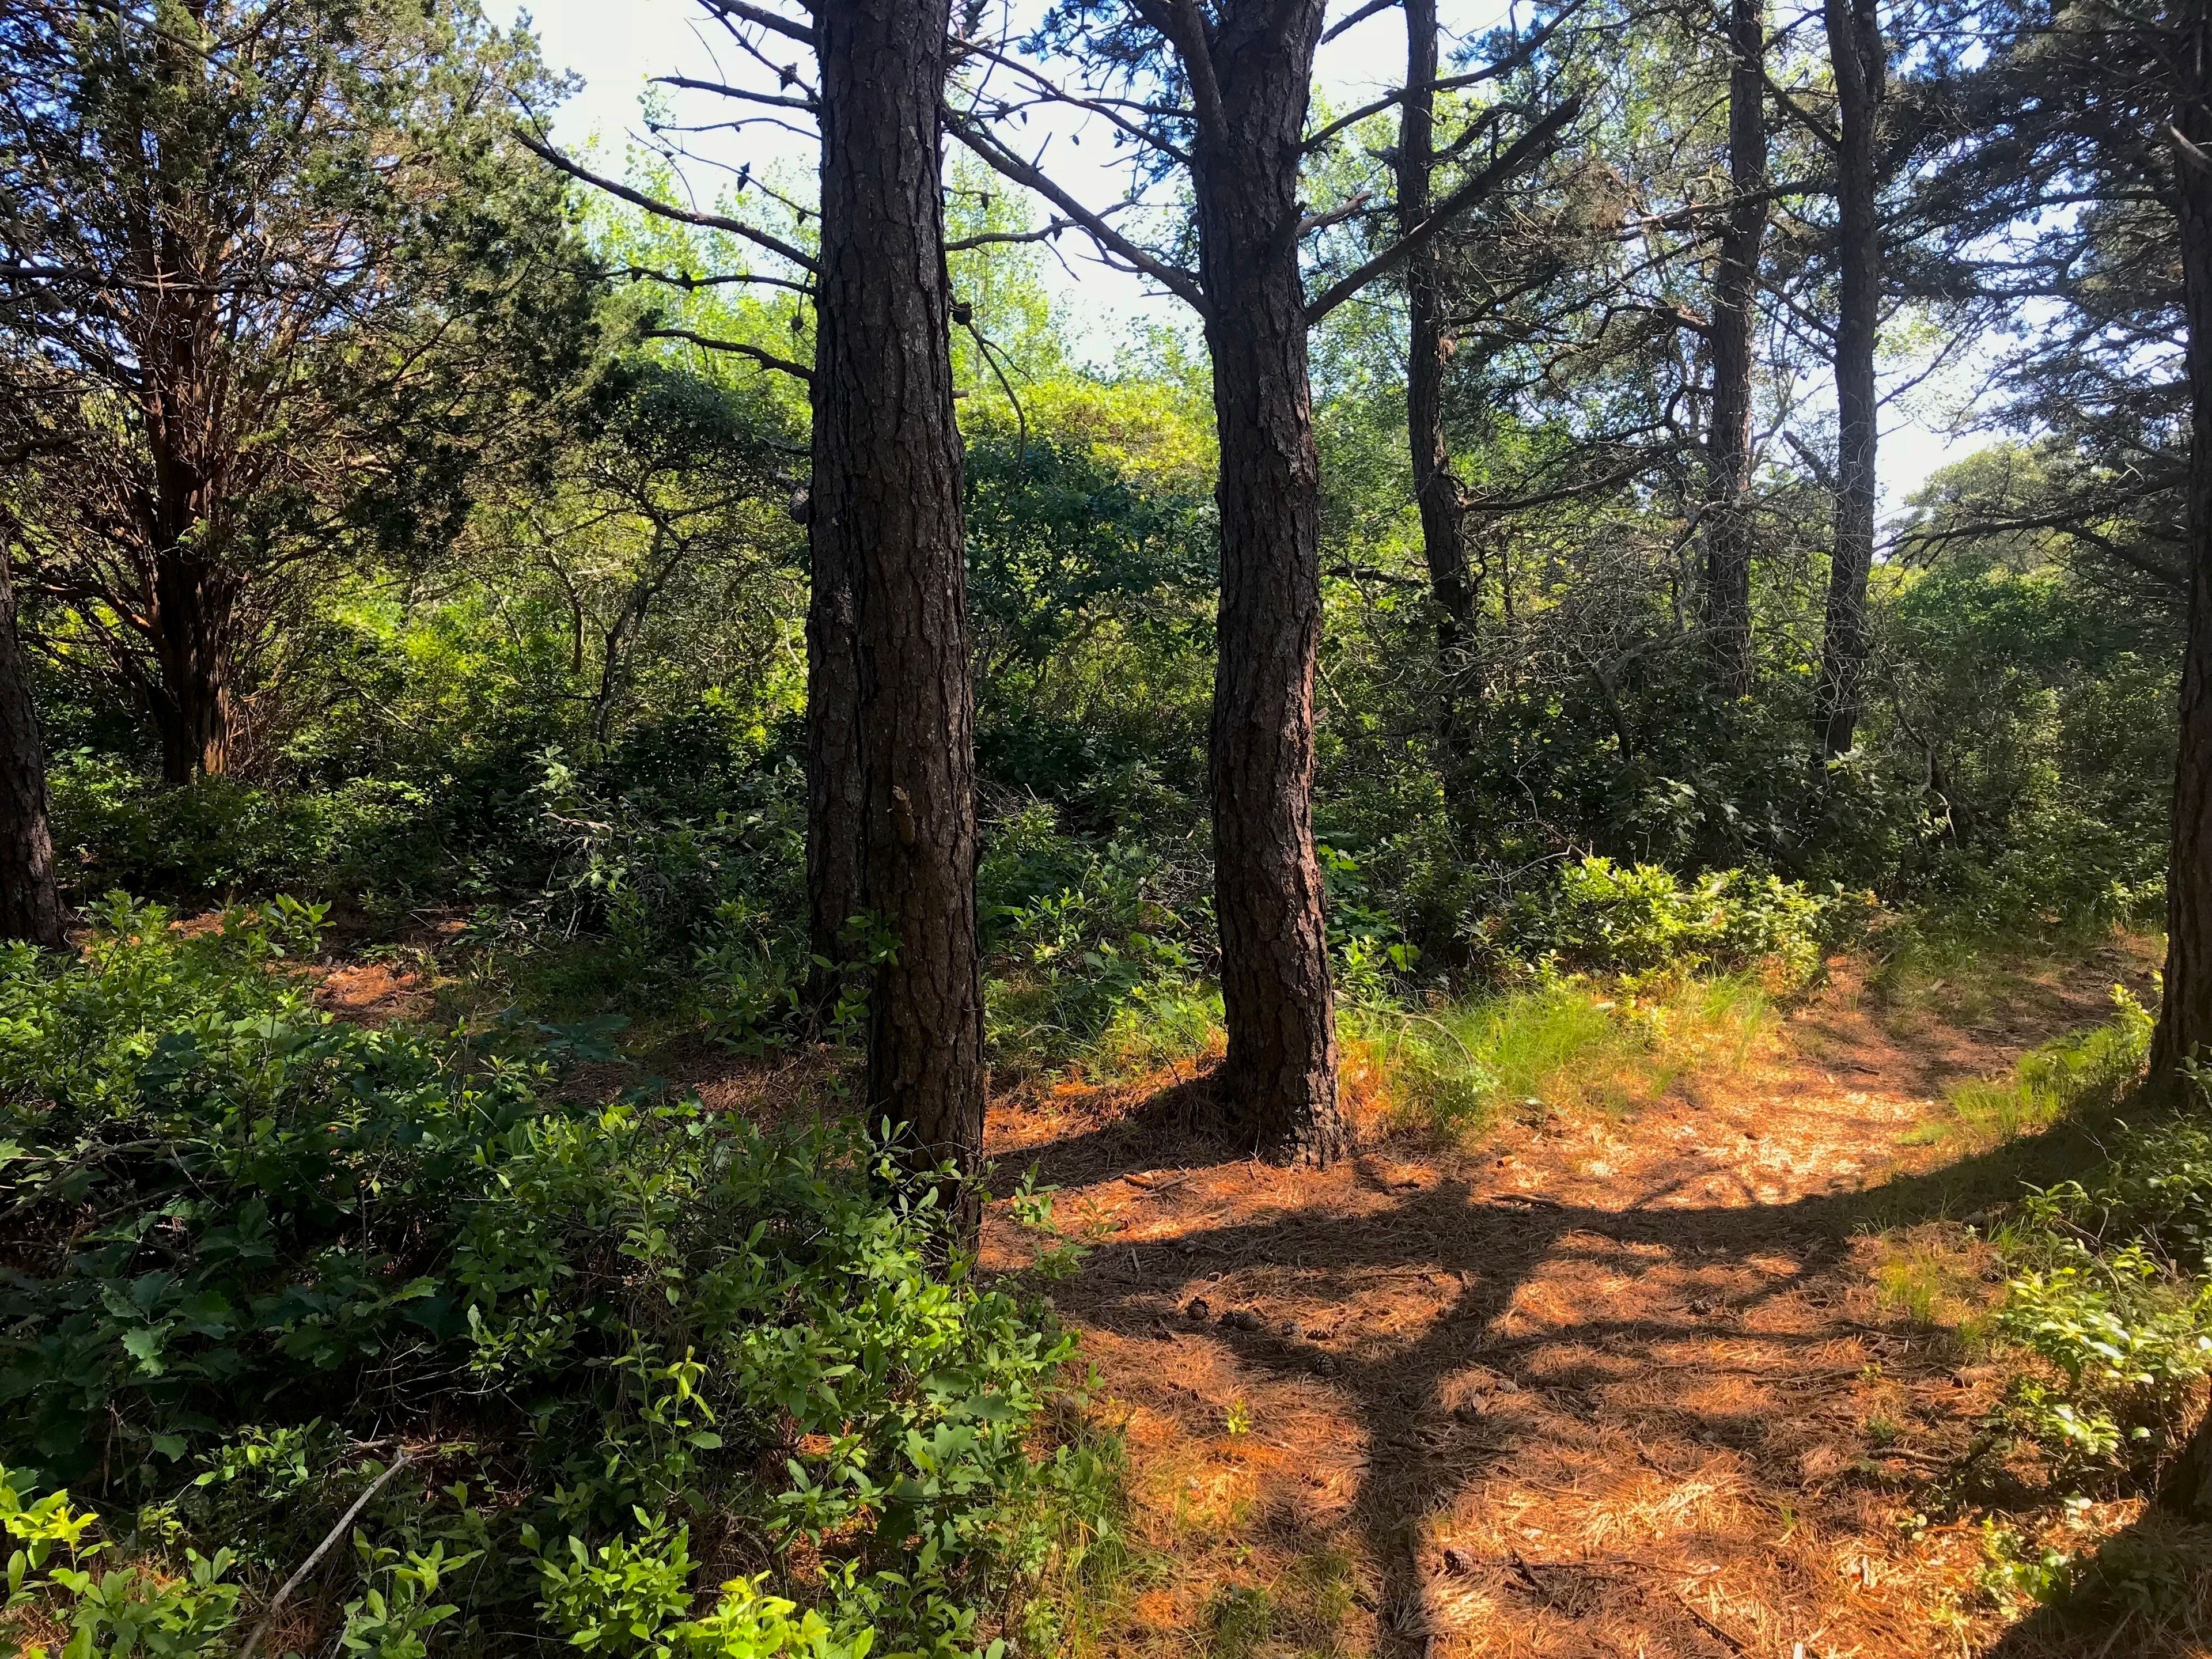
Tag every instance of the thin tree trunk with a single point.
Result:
(1859, 59)
(887, 488)
(1726, 593)
(2185, 1026)
(1436, 487)
(30, 904)
(1279, 1081)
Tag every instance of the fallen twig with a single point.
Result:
(276, 1601)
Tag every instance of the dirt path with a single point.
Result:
(1594, 1387)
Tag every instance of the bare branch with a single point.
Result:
(1360, 17)
(995, 238)
(1180, 282)
(1513, 60)
(1100, 106)
(738, 11)
(689, 284)
(1335, 216)
(765, 359)
(652, 204)
(1804, 117)
(718, 89)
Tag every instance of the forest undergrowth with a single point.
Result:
(1841, 1303)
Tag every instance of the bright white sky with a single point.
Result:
(617, 45)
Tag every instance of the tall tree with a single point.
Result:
(886, 495)
(2185, 1026)
(30, 903)
(279, 255)
(1436, 485)
(1246, 67)
(1728, 528)
(1859, 61)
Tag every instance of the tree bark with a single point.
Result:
(1727, 595)
(887, 488)
(191, 700)
(1436, 486)
(30, 903)
(1859, 60)
(833, 781)
(2185, 1026)
(1253, 70)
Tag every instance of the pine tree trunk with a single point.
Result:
(30, 904)
(1856, 50)
(1727, 595)
(1279, 1081)
(835, 819)
(2185, 1026)
(1436, 487)
(887, 481)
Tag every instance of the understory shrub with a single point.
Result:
(2107, 1301)
(1600, 917)
(252, 1251)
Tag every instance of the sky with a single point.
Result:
(615, 47)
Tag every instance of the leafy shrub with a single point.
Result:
(238, 1220)
(1077, 935)
(2127, 1343)
(220, 836)
(1599, 917)
(2106, 1289)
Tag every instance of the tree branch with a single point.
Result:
(1360, 17)
(1538, 141)
(779, 101)
(1520, 55)
(740, 12)
(766, 359)
(1180, 282)
(652, 205)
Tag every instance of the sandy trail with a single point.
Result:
(1596, 1387)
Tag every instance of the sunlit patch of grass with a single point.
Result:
(2086, 1069)
(1160, 1025)
(1572, 1045)
(1936, 1277)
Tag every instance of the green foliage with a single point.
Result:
(1080, 936)
(648, 1317)
(1598, 917)
(2127, 1344)
(121, 1611)
(2106, 1295)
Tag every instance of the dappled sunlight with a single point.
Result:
(1597, 1381)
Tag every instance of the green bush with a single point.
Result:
(2107, 1291)
(1600, 917)
(244, 1233)
(1079, 937)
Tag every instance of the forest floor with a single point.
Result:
(1682, 1378)
(1670, 1383)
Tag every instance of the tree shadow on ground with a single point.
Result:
(1512, 1257)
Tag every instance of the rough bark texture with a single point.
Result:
(2185, 1026)
(1727, 597)
(1856, 50)
(1253, 73)
(835, 819)
(30, 906)
(887, 488)
(1436, 487)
